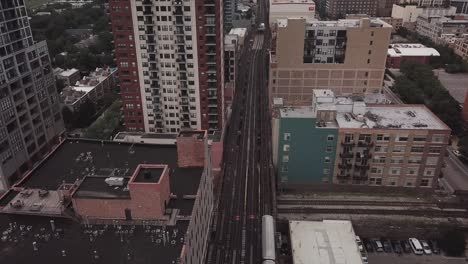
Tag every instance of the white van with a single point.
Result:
(416, 246)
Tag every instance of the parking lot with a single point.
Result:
(392, 258)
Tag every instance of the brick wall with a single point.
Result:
(191, 151)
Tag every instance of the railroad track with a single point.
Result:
(348, 202)
(423, 212)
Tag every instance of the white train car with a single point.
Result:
(268, 239)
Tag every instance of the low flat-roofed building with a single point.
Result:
(94, 87)
(409, 52)
(68, 77)
(132, 198)
(283, 9)
(326, 242)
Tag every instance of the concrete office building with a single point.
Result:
(283, 9)
(169, 55)
(230, 7)
(67, 77)
(30, 111)
(442, 30)
(346, 56)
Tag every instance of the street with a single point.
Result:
(246, 191)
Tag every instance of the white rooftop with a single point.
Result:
(391, 117)
(297, 112)
(69, 72)
(327, 242)
(278, 2)
(403, 49)
(238, 31)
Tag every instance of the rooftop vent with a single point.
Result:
(411, 114)
(115, 181)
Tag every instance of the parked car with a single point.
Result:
(387, 246)
(377, 245)
(426, 248)
(434, 247)
(368, 246)
(397, 247)
(406, 246)
(457, 153)
(359, 243)
(416, 246)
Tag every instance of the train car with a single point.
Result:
(268, 239)
(261, 27)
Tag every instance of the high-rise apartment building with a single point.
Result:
(30, 111)
(169, 55)
(347, 56)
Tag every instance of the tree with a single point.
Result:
(453, 242)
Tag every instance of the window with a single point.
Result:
(379, 159)
(432, 160)
(375, 181)
(417, 149)
(399, 149)
(425, 183)
(381, 137)
(327, 160)
(412, 171)
(376, 170)
(396, 160)
(403, 138)
(438, 138)
(286, 147)
(326, 171)
(419, 138)
(429, 172)
(380, 149)
(435, 150)
(285, 168)
(329, 149)
(285, 158)
(287, 136)
(330, 137)
(395, 171)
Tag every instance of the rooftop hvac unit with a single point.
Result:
(115, 181)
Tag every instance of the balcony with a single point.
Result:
(348, 144)
(343, 176)
(362, 167)
(346, 155)
(345, 166)
(365, 144)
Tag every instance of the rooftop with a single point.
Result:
(238, 31)
(68, 72)
(304, 2)
(327, 242)
(403, 49)
(73, 243)
(75, 159)
(391, 117)
(149, 175)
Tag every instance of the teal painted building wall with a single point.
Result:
(306, 153)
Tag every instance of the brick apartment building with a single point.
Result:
(343, 141)
(169, 55)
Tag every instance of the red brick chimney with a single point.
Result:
(191, 148)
